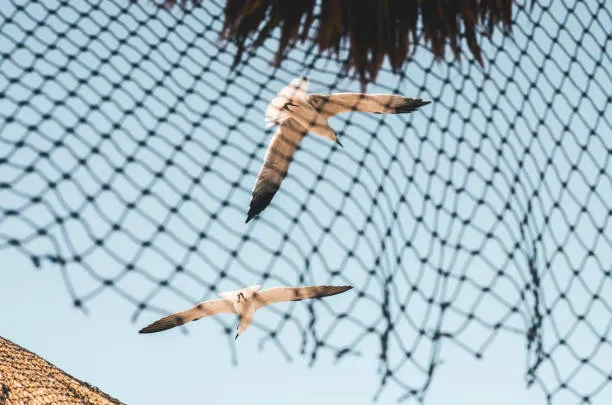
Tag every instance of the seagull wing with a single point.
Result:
(276, 163)
(203, 309)
(293, 94)
(283, 294)
(333, 104)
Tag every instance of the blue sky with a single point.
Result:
(171, 75)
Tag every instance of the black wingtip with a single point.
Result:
(262, 196)
(253, 211)
(338, 142)
(337, 289)
(411, 106)
(165, 323)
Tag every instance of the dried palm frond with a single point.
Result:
(26, 378)
(371, 29)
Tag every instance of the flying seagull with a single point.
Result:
(244, 303)
(298, 113)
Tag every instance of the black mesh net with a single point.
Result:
(129, 149)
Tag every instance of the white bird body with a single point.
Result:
(301, 111)
(297, 113)
(243, 303)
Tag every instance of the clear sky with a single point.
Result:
(436, 165)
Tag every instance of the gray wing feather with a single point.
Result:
(333, 104)
(284, 294)
(203, 309)
(276, 164)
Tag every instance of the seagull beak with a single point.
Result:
(338, 142)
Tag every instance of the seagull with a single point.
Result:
(244, 303)
(297, 113)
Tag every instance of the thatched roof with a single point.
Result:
(370, 29)
(26, 378)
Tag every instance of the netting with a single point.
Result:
(129, 149)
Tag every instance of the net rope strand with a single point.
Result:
(129, 149)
